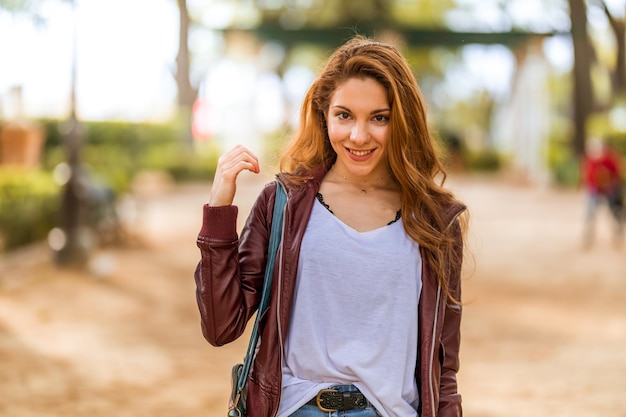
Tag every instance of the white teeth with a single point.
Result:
(359, 153)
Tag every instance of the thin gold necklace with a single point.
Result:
(362, 182)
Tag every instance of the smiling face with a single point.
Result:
(358, 127)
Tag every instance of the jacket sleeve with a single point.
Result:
(449, 398)
(229, 276)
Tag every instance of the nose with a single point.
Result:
(359, 133)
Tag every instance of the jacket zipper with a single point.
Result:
(432, 351)
(432, 347)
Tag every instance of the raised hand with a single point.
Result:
(228, 168)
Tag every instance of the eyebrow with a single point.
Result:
(385, 110)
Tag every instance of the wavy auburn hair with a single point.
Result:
(411, 157)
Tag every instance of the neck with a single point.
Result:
(363, 184)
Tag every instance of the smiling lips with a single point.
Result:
(360, 153)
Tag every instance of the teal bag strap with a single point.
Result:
(275, 237)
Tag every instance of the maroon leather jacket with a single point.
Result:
(229, 279)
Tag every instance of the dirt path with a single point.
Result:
(544, 330)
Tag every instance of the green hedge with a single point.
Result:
(485, 160)
(29, 206)
(114, 152)
(133, 136)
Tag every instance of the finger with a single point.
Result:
(229, 171)
(230, 165)
(233, 158)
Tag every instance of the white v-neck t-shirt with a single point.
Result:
(354, 317)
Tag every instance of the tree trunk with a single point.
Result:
(583, 95)
(76, 250)
(619, 30)
(187, 93)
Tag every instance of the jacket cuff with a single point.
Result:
(219, 222)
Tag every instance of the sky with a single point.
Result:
(124, 60)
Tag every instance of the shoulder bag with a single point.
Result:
(239, 376)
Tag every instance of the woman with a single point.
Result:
(365, 302)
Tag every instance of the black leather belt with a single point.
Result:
(330, 400)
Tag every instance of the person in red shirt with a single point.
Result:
(602, 178)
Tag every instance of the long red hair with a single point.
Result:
(412, 156)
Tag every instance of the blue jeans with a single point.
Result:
(312, 411)
(615, 204)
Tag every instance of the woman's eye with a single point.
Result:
(381, 118)
(343, 116)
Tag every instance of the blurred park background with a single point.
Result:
(112, 117)
(94, 95)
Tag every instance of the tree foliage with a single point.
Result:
(29, 8)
